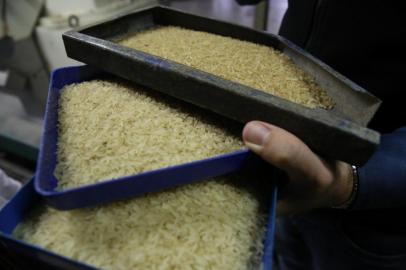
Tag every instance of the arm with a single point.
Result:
(316, 183)
(382, 180)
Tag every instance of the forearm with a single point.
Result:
(382, 180)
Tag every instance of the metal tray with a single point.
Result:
(123, 187)
(26, 255)
(339, 133)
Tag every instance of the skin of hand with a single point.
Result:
(312, 182)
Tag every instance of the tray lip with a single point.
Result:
(268, 241)
(339, 76)
(37, 248)
(55, 196)
(243, 153)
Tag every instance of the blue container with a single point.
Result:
(13, 213)
(121, 188)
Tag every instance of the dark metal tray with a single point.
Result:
(339, 133)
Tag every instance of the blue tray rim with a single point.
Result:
(242, 153)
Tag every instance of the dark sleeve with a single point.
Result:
(382, 180)
(347, 36)
(248, 2)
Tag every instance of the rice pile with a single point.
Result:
(216, 224)
(254, 65)
(110, 129)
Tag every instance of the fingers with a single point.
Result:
(298, 204)
(313, 182)
(304, 199)
(283, 150)
(283, 209)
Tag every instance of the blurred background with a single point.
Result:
(31, 47)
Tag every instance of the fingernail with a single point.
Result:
(254, 135)
(254, 147)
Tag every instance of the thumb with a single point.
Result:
(282, 149)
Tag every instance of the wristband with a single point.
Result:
(354, 191)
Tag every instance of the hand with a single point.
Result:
(312, 181)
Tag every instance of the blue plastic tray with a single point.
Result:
(121, 188)
(13, 213)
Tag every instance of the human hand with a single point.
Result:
(312, 182)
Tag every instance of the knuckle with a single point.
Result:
(281, 158)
